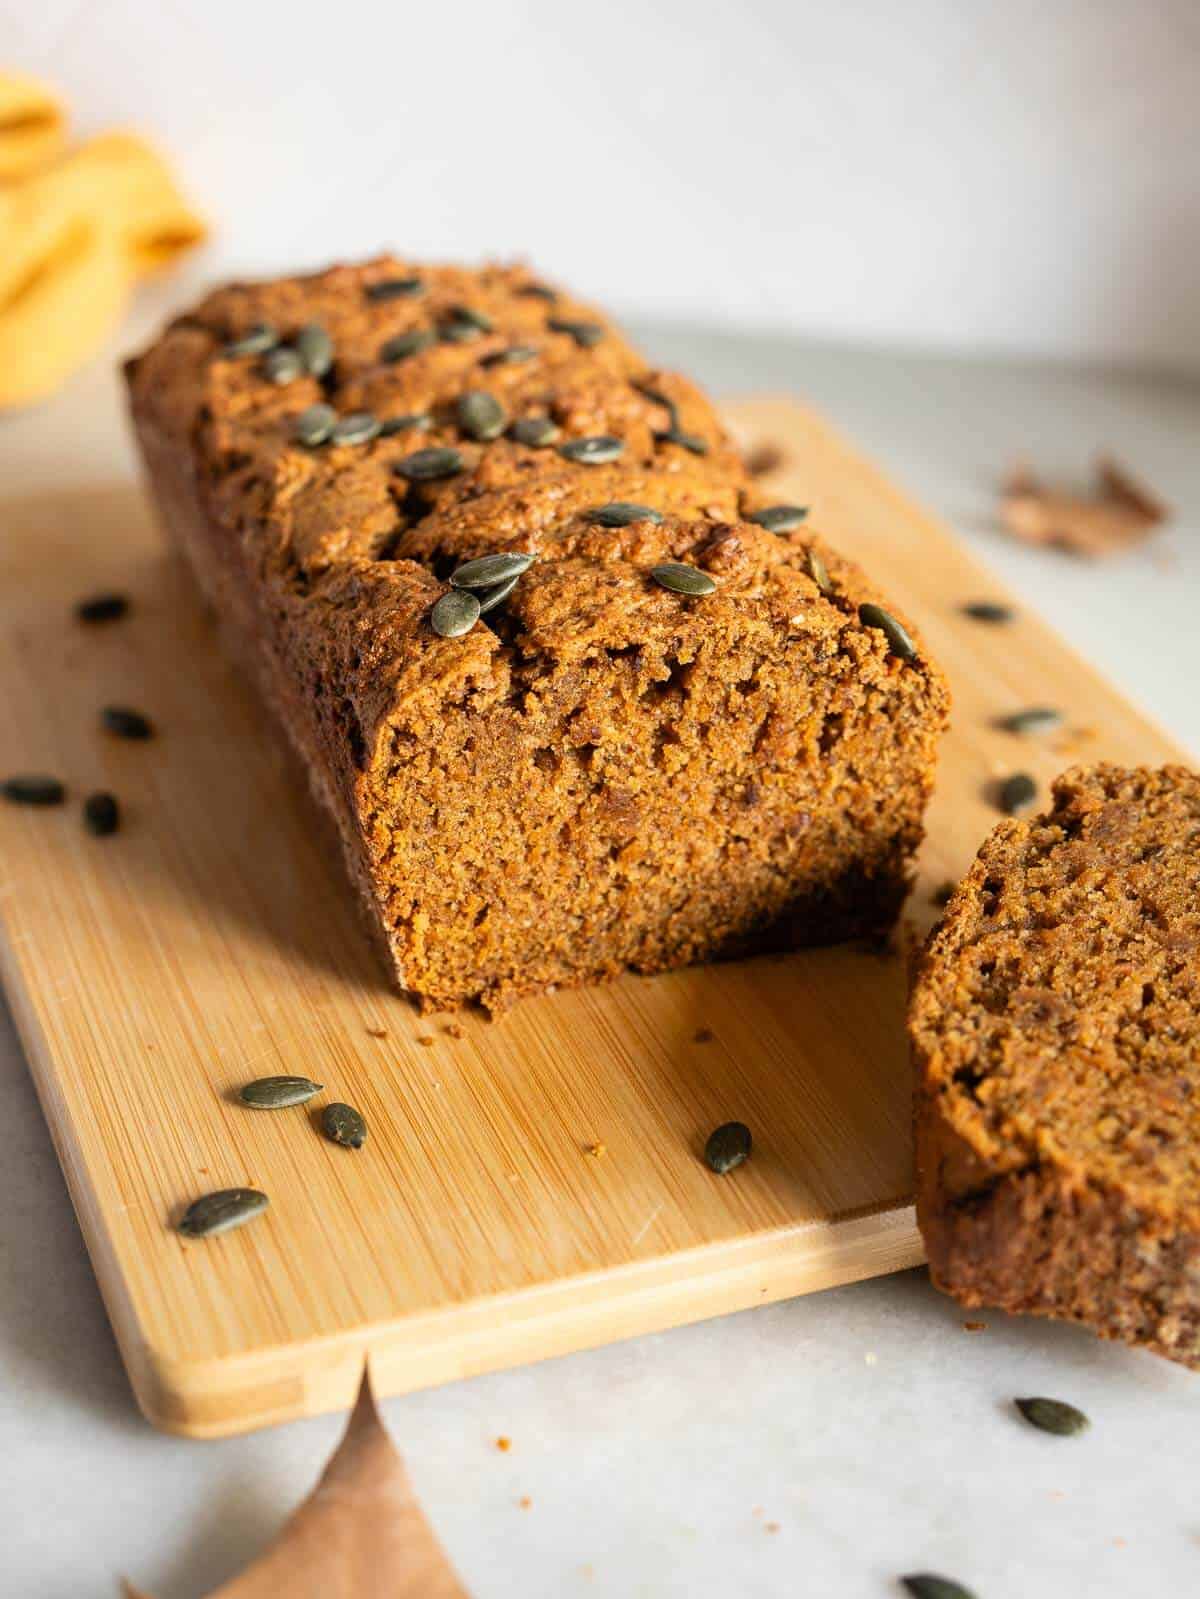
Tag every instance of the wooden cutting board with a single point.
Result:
(530, 1186)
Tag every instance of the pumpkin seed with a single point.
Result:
(344, 1125)
(315, 349)
(276, 1093)
(126, 723)
(899, 640)
(818, 571)
(515, 355)
(486, 570)
(643, 386)
(255, 341)
(102, 608)
(360, 427)
(925, 1585)
(314, 424)
(394, 289)
(1037, 719)
(101, 815)
(418, 421)
(780, 518)
(728, 1147)
(454, 614)
(586, 334)
(34, 790)
(480, 415)
(537, 291)
(1053, 1415)
(535, 431)
(595, 451)
(490, 598)
(423, 466)
(681, 579)
(621, 513)
(402, 345)
(989, 611)
(1017, 793)
(221, 1212)
(282, 365)
(464, 324)
(686, 441)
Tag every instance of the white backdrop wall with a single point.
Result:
(1015, 175)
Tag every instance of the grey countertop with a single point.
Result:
(819, 1446)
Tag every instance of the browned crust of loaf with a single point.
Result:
(1012, 1220)
(324, 574)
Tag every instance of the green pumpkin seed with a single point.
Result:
(1037, 719)
(394, 289)
(490, 598)
(486, 570)
(621, 513)
(537, 291)
(1053, 1415)
(818, 571)
(282, 365)
(315, 349)
(1017, 793)
(314, 425)
(454, 614)
(256, 341)
(101, 815)
(102, 608)
(989, 611)
(644, 386)
(480, 415)
(535, 431)
(681, 579)
(402, 345)
(418, 421)
(125, 723)
(464, 324)
(925, 1585)
(515, 355)
(276, 1093)
(728, 1147)
(360, 427)
(595, 451)
(344, 1125)
(34, 790)
(586, 334)
(424, 466)
(899, 640)
(686, 441)
(221, 1212)
(780, 518)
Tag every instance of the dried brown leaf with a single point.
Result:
(360, 1534)
(1119, 513)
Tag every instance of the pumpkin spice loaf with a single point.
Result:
(1055, 1022)
(654, 732)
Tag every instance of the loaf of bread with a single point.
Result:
(1055, 1022)
(653, 731)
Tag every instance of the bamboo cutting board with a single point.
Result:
(213, 940)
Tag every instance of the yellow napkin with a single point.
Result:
(75, 235)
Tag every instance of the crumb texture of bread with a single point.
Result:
(601, 774)
(1055, 1025)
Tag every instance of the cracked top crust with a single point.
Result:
(354, 555)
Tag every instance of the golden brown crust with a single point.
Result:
(600, 773)
(1057, 1052)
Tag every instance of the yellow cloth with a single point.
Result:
(75, 235)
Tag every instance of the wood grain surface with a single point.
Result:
(213, 940)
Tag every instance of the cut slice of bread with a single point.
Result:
(1055, 1025)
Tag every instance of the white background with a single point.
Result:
(998, 174)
